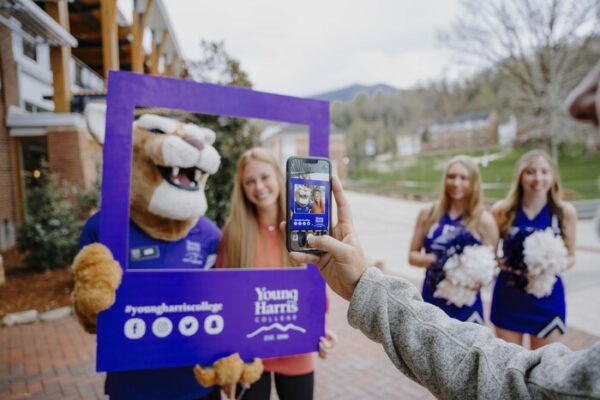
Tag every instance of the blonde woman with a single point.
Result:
(533, 203)
(251, 238)
(318, 205)
(458, 218)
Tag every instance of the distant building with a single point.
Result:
(54, 57)
(507, 132)
(408, 145)
(287, 140)
(464, 132)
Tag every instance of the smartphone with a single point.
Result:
(308, 199)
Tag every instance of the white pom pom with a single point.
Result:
(457, 295)
(541, 285)
(465, 273)
(545, 255)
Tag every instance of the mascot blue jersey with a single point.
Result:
(303, 210)
(437, 241)
(515, 309)
(197, 250)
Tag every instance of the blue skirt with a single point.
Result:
(518, 311)
(473, 313)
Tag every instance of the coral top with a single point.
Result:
(268, 253)
(317, 208)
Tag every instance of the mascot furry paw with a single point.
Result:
(98, 276)
(228, 371)
(171, 162)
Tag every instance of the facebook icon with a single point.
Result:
(135, 328)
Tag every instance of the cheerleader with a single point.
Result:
(532, 204)
(458, 217)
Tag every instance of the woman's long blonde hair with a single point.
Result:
(511, 203)
(475, 206)
(241, 228)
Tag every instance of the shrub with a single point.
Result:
(50, 232)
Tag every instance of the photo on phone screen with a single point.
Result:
(308, 200)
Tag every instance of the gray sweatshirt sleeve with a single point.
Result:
(463, 360)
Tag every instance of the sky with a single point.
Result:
(308, 47)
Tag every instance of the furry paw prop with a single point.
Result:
(228, 371)
(97, 277)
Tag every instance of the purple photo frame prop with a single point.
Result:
(222, 292)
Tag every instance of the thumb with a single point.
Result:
(328, 244)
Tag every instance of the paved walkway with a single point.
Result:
(56, 360)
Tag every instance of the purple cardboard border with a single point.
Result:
(127, 90)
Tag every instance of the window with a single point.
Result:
(30, 49)
(79, 75)
(32, 108)
(33, 154)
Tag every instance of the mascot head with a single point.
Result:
(302, 195)
(171, 162)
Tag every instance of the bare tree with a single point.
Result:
(541, 48)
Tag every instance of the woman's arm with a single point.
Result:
(488, 230)
(415, 256)
(569, 223)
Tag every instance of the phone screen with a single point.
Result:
(308, 200)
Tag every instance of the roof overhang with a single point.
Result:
(31, 18)
(19, 123)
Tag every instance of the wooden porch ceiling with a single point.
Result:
(85, 26)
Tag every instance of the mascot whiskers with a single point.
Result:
(171, 162)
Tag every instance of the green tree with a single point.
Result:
(234, 135)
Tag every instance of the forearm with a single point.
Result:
(455, 359)
(418, 259)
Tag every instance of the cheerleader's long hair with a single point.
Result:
(510, 205)
(475, 205)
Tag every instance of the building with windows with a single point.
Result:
(464, 132)
(54, 57)
(287, 140)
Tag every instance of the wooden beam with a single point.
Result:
(163, 42)
(110, 46)
(170, 69)
(157, 50)
(140, 23)
(59, 59)
(154, 59)
(84, 34)
(146, 16)
(93, 55)
(137, 61)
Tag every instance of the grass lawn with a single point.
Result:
(580, 174)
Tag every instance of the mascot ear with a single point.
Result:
(95, 115)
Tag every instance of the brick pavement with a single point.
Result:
(56, 360)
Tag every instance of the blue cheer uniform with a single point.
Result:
(512, 307)
(439, 240)
(197, 250)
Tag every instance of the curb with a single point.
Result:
(31, 316)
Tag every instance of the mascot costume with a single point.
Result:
(302, 198)
(171, 162)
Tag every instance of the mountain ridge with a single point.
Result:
(348, 93)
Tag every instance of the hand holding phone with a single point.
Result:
(308, 200)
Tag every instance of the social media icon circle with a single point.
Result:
(213, 324)
(162, 327)
(188, 325)
(134, 328)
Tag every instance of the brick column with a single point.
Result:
(72, 155)
(9, 199)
